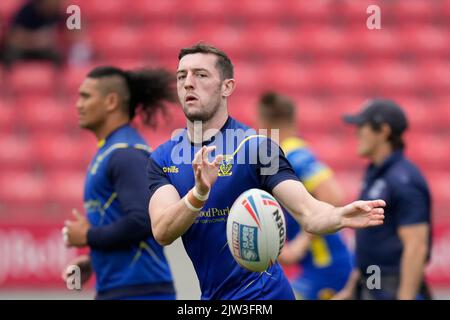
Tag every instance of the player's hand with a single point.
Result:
(205, 172)
(84, 263)
(75, 231)
(362, 214)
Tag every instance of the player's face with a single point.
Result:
(91, 105)
(368, 140)
(199, 86)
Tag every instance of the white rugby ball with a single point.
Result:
(256, 230)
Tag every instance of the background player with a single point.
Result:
(127, 261)
(403, 243)
(192, 198)
(325, 260)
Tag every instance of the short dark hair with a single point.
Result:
(149, 89)
(276, 107)
(223, 61)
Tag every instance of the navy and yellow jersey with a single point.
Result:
(328, 256)
(125, 257)
(205, 241)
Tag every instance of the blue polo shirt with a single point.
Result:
(402, 186)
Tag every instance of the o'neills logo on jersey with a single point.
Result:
(171, 169)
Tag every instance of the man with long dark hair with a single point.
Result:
(127, 261)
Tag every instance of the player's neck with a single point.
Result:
(109, 127)
(199, 131)
(287, 132)
(380, 154)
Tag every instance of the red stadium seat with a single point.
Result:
(96, 11)
(390, 78)
(16, 153)
(231, 39)
(8, 8)
(33, 78)
(438, 182)
(350, 181)
(167, 39)
(424, 41)
(276, 42)
(247, 76)
(156, 10)
(337, 151)
(429, 150)
(287, 76)
(323, 41)
(212, 11)
(340, 78)
(435, 76)
(21, 187)
(377, 43)
(61, 151)
(112, 40)
(244, 108)
(317, 10)
(65, 188)
(260, 10)
(47, 115)
(73, 77)
(442, 109)
(419, 10)
(7, 116)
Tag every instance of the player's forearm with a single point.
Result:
(411, 270)
(173, 222)
(129, 230)
(315, 216)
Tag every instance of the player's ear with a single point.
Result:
(112, 101)
(228, 86)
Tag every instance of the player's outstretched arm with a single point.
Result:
(318, 217)
(171, 216)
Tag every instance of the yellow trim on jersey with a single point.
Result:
(144, 246)
(110, 201)
(290, 144)
(320, 253)
(144, 147)
(101, 143)
(313, 182)
(228, 157)
(104, 154)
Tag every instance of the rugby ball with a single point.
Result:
(256, 230)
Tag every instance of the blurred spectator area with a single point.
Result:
(319, 52)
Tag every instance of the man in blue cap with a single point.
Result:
(400, 248)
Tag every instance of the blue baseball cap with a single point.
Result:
(378, 111)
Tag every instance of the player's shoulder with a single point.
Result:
(297, 149)
(405, 172)
(292, 144)
(165, 149)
